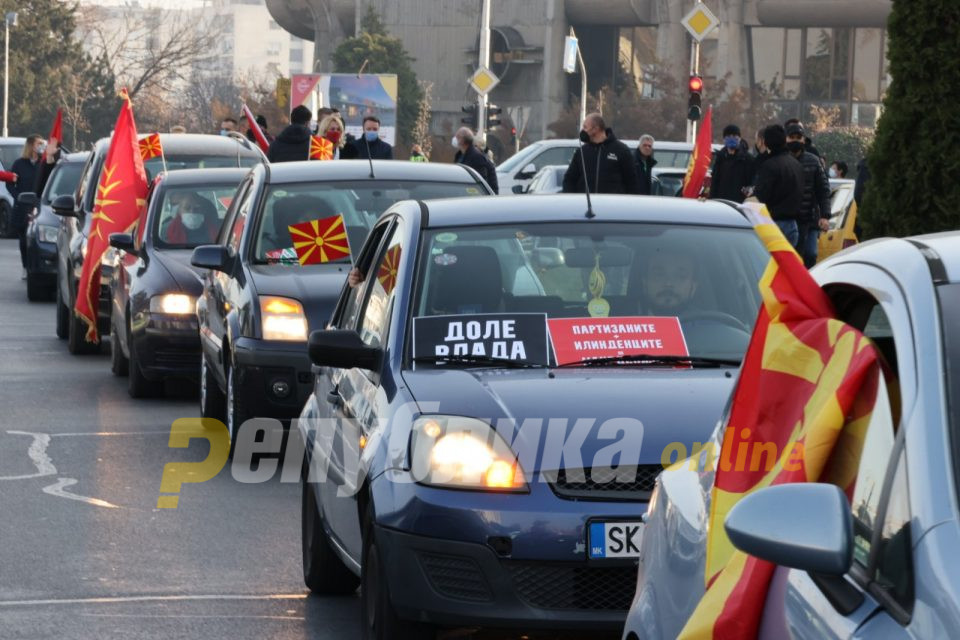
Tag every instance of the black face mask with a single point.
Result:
(795, 146)
(584, 136)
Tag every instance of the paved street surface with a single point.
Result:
(84, 553)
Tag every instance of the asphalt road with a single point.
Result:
(85, 553)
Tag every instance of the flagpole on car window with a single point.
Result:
(163, 158)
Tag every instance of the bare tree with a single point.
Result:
(421, 126)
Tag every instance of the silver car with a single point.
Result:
(885, 566)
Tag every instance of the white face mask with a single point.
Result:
(833, 172)
(455, 142)
(192, 221)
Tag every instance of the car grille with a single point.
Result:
(455, 577)
(575, 587)
(177, 358)
(600, 483)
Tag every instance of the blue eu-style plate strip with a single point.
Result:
(598, 540)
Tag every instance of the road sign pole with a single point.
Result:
(694, 71)
(583, 85)
(484, 64)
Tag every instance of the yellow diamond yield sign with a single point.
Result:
(483, 80)
(700, 21)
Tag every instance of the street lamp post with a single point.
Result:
(10, 20)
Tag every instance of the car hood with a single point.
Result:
(317, 287)
(177, 263)
(676, 407)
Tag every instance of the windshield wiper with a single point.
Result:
(483, 361)
(654, 360)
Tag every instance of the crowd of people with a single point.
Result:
(785, 172)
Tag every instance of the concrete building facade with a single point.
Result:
(801, 53)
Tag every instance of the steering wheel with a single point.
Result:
(716, 316)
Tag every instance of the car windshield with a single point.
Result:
(698, 283)
(359, 202)
(679, 158)
(63, 181)
(522, 156)
(191, 215)
(9, 154)
(175, 161)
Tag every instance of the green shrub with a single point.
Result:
(847, 144)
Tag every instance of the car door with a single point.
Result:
(876, 594)
(353, 392)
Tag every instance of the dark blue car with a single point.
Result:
(500, 385)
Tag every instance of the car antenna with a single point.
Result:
(586, 184)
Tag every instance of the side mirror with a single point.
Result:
(343, 349)
(28, 199)
(805, 526)
(527, 172)
(211, 256)
(124, 242)
(65, 206)
(518, 189)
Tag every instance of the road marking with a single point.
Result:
(38, 456)
(111, 433)
(124, 599)
(57, 489)
(178, 617)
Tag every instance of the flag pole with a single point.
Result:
(163, 158)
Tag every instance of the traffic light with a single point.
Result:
(513, 135)
(493, 116)
(694, 104)
(470, 120)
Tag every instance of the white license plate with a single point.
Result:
(614, 539)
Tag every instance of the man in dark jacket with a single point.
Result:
(815, 201)
(780, 182)
(369, 145)
(610, 167)
(645, 164)
(807, 142)
(293, 143)
(468, 154)
(733, 168)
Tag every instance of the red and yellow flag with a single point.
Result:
(150, 146)
(700, 159)
(806, 392)
(121, 193)
(320, 148)
(387, 273)
(255, 128)
(56, 133)
(319, 241)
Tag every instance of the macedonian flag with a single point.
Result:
(319, 241)
(387, 273)
(699, 159)
(121, 193)
(806, 392)
(150, 147)
(320, 148)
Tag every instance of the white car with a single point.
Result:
(10, 150)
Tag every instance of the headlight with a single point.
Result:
(463, 453)
(46, 233)
(283, 319)
(173, 304)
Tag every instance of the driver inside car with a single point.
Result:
(668, 283)
(194, 221)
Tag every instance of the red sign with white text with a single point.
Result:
(577, 339)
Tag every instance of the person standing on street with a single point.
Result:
(293, 143)
(733, 168)
(645, 163)
(610, 167)
(780, 183)
(815, 201)
(370, 145)
(416, 154)
(468, 154)
(25, 167)
(838, 169)
(227, 126)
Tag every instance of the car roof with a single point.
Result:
(200, 144)
(306, 171)
(77, 156)
(947, 246)
(12, 140)
(455, 212)
(205, 176)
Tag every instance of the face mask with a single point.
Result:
(795, 146)
(833, 172)
(455, 142)
(371, 136)
(731, 142)
(192, 221)
(333, 136)
(584, 136)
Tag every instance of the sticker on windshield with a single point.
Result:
(447, 237)
(503, 336)
(445, 259)
(580, 339)
(473, 191)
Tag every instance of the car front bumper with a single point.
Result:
(168, 346)
(42, 261)
(265, 366)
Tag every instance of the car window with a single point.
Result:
(350, 308)
(381, 290)
(173, 161)
(706, 277)
(9, 154)
(63, 181)
(240, 219)
(189, 216)
(894, 564)
(554, 155)
(359, 202)
(679, 159)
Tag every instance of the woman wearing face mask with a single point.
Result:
(331, 128)
(838, 169)
(25, 168)
(195, 221)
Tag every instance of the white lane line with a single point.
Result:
(111, 433)
(38, 456)
(57, 489)
(173, 615)
(123, 599)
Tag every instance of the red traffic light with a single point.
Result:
(696, 84)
